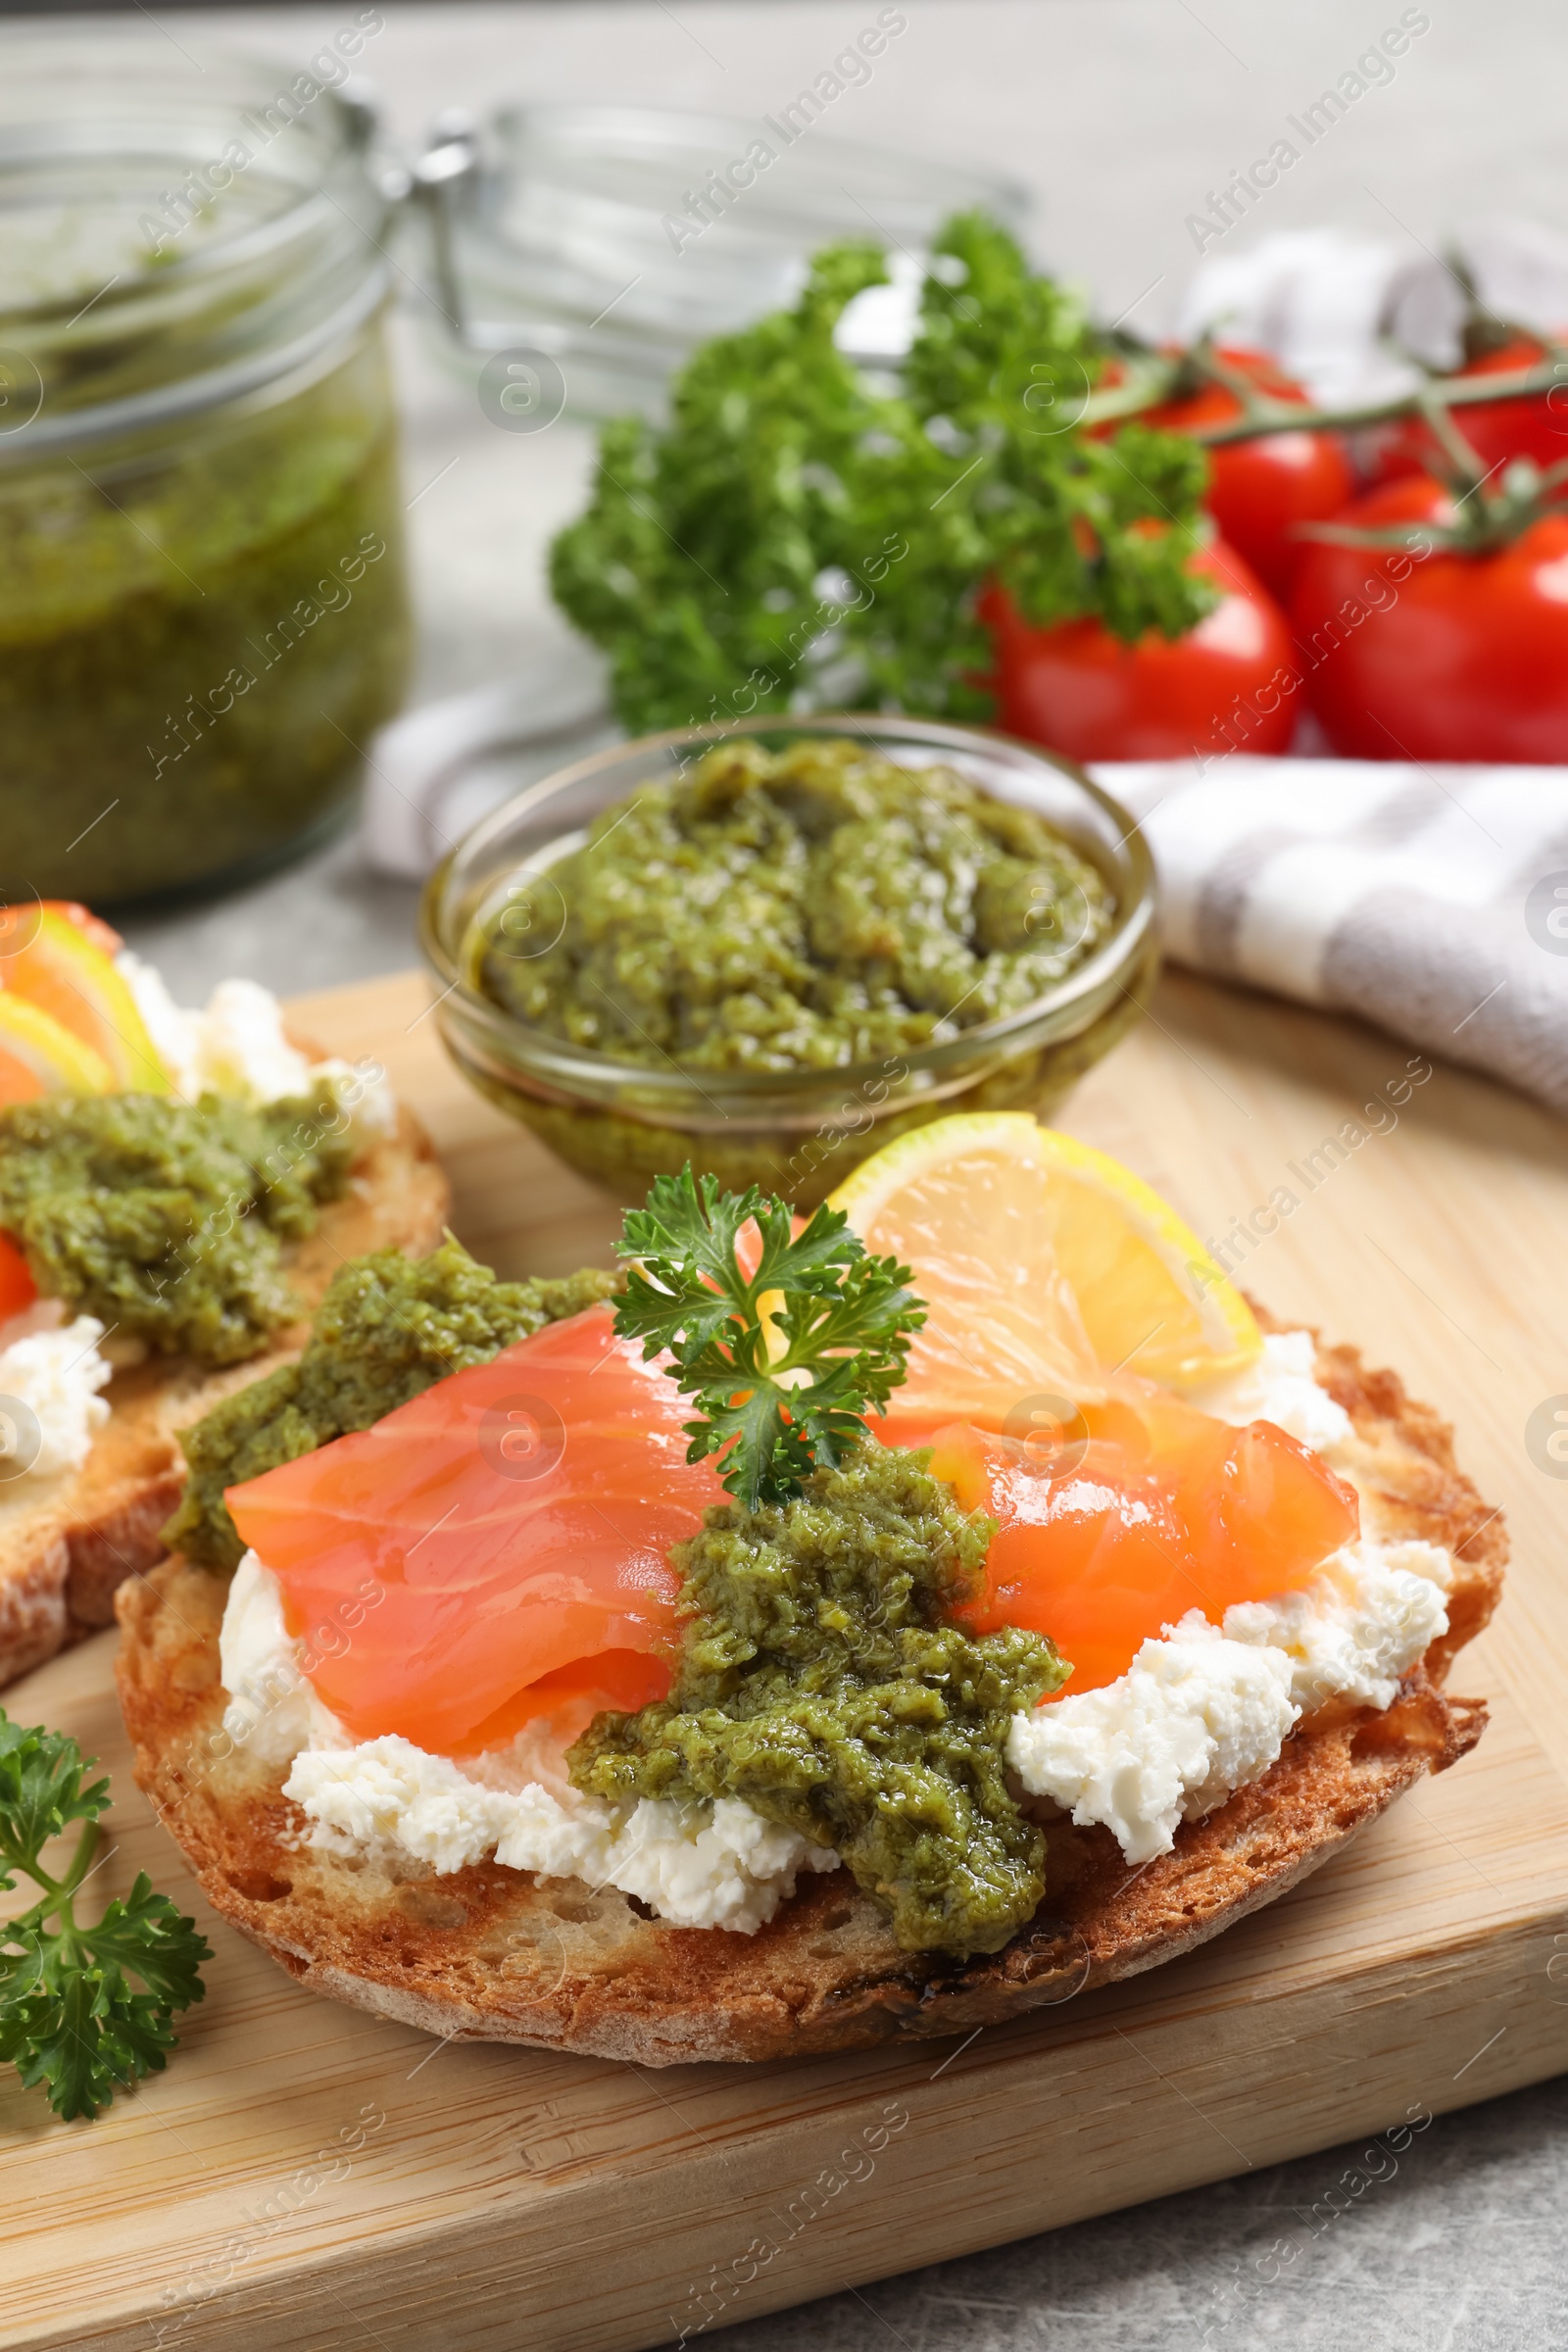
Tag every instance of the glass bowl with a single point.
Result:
(793, 1132)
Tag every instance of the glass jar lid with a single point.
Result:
(171, 237)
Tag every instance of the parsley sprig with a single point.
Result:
(69, 2017)
(784, 1360)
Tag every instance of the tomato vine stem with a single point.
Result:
(1152, 382)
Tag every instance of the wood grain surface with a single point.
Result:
(306, 2176)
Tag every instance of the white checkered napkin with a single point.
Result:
(1433, 903)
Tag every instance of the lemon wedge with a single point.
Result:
(65, 967)
(40, 1056)
(1046, 1267)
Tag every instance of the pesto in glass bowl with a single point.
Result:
(770, 948)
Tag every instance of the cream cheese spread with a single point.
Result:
(50, 1374)
(707, 1866)
(1206, 1708)
(273, 1710)
(1195, 1717)
(237, 1047)
(1281, 1385)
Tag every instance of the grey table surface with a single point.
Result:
(1120, 115)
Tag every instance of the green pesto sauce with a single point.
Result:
(818, 1683)
(801, 909)
(388, 1328)
(166, 1219)
(196, 632)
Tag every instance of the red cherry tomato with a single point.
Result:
(1259, 490)
(1441, 657)
(1496, 430)
(18, 1289)
(1078, 689)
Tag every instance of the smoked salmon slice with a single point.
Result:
(1151, 1509)
(516, 1520)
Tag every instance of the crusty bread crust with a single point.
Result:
(67, 1542)
(495, 1954)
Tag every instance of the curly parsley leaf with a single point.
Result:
(784, 1359)
(41, 1792)
(804, 534)
(83, 2010)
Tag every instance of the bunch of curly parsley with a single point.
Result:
(72, 2016)
(801, 536)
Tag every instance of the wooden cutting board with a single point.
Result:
(306, 2177)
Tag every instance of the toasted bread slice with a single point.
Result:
(499, 1955)
(67, 1541)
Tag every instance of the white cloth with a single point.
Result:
(1373, 887)
(1338, 310)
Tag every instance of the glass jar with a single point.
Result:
(617, 239)
(796, 1132)
(203, 603)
